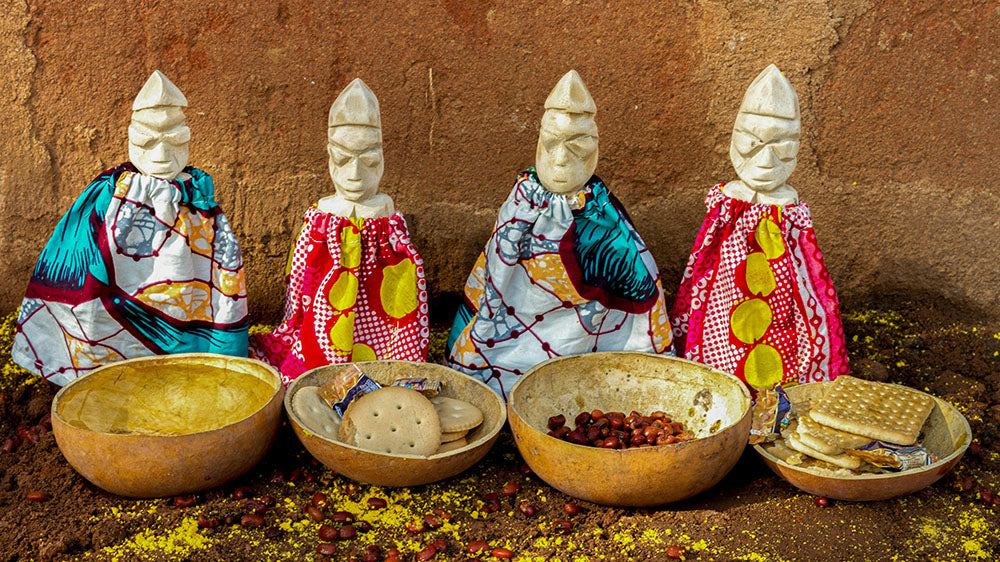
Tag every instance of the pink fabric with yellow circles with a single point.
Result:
(355, 291)
(756, 299)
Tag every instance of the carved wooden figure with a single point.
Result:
(355, 288)
(756, 299)
(143, 263)
(565, 270)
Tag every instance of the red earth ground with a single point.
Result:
(750, 515)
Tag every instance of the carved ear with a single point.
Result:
(356, 105)
(771, 94)
(158, 91)
(571, 96)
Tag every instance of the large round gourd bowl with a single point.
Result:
(946, 434)
(713, 406)
(393, 470)
(167, 425)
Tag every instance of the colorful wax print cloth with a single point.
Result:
(137, 266)
(756, 299)
(560, 275)
(354, 291)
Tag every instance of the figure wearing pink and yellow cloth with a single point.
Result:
(355, 288)
(756, 299)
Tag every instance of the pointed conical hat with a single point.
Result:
(356, 105)
(158, 91)
(771, 94)
(571, 96)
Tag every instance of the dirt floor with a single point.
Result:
(750, 515)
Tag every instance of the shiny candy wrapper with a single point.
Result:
(893, 457)
(345, 386)
(771, 414)
(423, 385)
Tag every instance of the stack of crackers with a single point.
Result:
(395, 420)
(851, 414)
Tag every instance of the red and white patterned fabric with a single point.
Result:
(756, 299)
(355, 291)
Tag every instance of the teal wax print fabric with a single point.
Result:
(137, 266)
(560, 275)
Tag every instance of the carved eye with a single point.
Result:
(746, 144)
(786, 150)
(178, 138)
(582, 146)
(339, 158)
(372, 157)
(139, 138)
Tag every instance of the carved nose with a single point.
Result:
(159, 153)
(769, 158)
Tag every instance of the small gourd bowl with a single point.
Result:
(713, 406)
(946, 434)
(100, 420)
(393, 470)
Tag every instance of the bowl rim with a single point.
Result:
(634, 450)
(274, 373)
(967, 433)
(489, 435)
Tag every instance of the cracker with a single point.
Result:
(451, 446)
(818, 444)
(453, 436)
(393, 420)
(886, 412)
(841, 460)
(833, 437)
(315, 413)
(456, 415)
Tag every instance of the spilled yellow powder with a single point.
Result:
(178, 541)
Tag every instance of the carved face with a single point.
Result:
(567, 151)
(158, 141)
(764, 150)
(356, 163)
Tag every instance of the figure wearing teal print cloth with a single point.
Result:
(137, 266)
(560, 275)
(143, 263)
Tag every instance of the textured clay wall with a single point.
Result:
(899, 157)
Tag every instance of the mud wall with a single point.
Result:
(899, 157)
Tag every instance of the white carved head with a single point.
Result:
(567, 142)
(354, 143)
(765, 140)
(157, 136)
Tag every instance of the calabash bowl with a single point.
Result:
(714, 407)
(946, 434)
(167, 425)
(393, 470)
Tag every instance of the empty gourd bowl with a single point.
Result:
(167, 425)
(713, 406)
(394, 470)
(946, 434)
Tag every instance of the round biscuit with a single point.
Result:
(456, 415)
(315, 414)
(451, 446)
(453, 436)
(395, 420)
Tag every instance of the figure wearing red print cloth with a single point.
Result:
(756, 299)
(355, 288)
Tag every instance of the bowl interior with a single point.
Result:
(167, 395)
(457, 385)
(703, 399)
(946, 434)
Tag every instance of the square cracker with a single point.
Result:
(833, 441)
(841, 460)
(887, 412)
